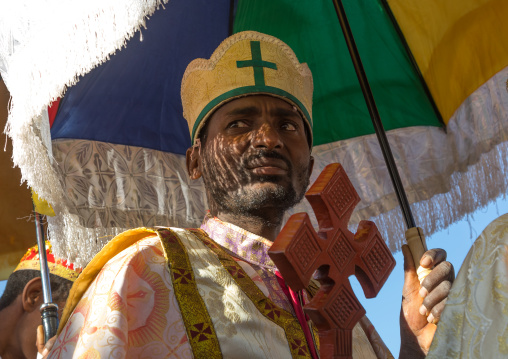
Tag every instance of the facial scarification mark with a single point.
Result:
(254, 158)
(235, 189)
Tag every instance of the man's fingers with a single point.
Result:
(434, 297)
(42, 348)
(442, 272)
(48, 346)
(40, 339)
(433, 257)
(435, 313)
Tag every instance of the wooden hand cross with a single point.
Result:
(332, 255)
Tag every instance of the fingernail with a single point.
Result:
(44, 352)
(426, 261)
(423, 310)
(423, 292)
(430, 318)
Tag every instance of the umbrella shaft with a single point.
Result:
(49, 310)
(49, 316)
(374, 115)
(46, 287)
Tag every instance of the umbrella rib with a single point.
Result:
(374, 115)
(231, 16)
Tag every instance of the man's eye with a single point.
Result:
(289, 126)
(237, 124)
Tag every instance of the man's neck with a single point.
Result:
(260, 226)
(9, 344)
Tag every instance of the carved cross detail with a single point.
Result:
(332, 255)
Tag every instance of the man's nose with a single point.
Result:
(267, 136)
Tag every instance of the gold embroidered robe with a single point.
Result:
(130, 302)
(474, 323)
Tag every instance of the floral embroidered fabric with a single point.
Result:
(131, 308)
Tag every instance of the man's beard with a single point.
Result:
(228, 183)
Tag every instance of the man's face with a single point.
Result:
(255, 156)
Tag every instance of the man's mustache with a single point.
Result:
(251, 158)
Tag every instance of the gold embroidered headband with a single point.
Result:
(57, 266)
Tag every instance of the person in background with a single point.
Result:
(22, 298)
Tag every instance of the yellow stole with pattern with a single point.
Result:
(224, 312)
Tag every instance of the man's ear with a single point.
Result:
(311, 165)
(32, 295)
(193, 158)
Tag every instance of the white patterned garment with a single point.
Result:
(129, 308)
(474, 323)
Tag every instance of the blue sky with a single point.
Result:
(383, 311)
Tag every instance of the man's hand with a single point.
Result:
(422, 305)
(43, 349)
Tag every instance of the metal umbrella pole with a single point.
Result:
(414, 235)
(49, 310)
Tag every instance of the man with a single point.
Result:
(22, 299)
(214, 292)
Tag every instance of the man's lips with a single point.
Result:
(268, 166)
(268, 171)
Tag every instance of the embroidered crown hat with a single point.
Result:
(247, 63)
(57, 266)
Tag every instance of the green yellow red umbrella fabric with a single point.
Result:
(437, 70)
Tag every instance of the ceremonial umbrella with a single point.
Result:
(119, 136)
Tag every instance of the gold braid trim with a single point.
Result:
(200, 331)
(293, 330)
(54, 268)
